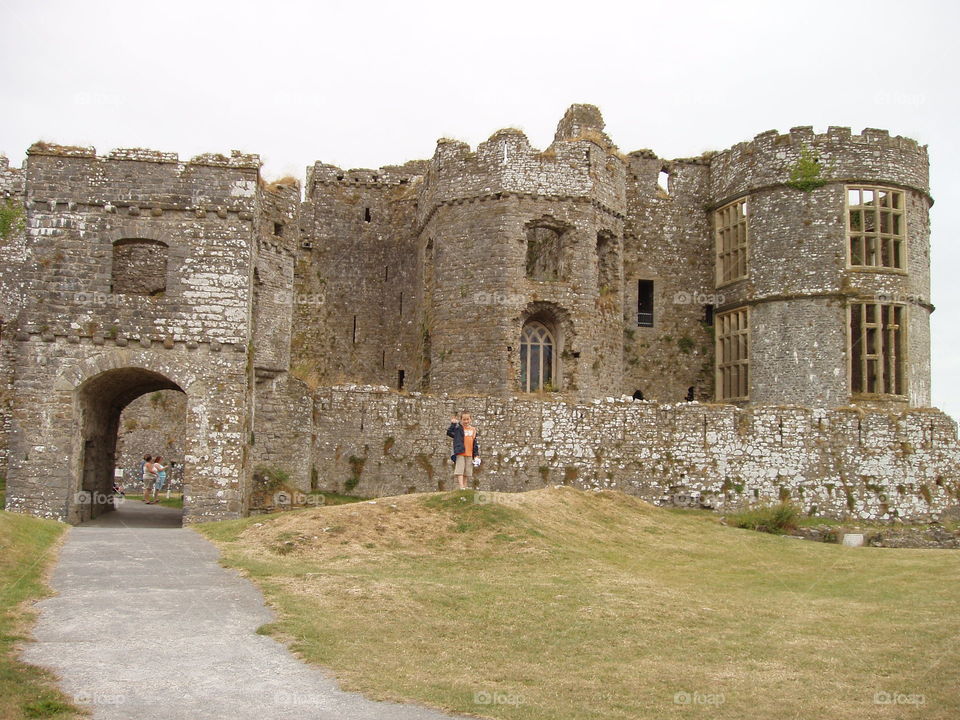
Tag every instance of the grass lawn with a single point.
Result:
(174, 501)
(559, 604)
(25, 554)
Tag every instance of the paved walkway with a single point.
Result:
(146, 624)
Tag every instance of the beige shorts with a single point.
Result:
(464, 466)
(148, 483)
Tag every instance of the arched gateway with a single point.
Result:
(64, 440)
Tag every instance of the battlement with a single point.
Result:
(323, 174)
(769, 158)
(237, 159)
(582, 162)
(11, 179)
(78, 175)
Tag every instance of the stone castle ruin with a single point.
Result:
(746, 325)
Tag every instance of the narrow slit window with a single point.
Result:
(366, 214)
(645, 303)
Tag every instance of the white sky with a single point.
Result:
(370, 83)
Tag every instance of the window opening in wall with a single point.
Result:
(645, 303)
(708, 311)
(278, 229)
(663, 180)
(545, 259)
(366, 214)
(637, 395)
(876, 227)
(731, 232)
(400, 374)
(537, 357)
(876, 348)
(139, 267)
(400, 313)
(607, 270)
(354, 329)
(386, 273)
(733, 355)
(690, 394)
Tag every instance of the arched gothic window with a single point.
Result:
(537, 358)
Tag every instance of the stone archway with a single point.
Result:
(101, 399)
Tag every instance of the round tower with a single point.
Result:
(822, 257)
(522, 252)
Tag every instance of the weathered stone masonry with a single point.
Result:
(529, 285)
(830, 462)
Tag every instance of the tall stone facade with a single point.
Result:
(792, 270)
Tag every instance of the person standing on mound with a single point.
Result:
(466, 447)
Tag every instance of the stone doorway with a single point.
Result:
(101, 401)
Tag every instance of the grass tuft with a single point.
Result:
(776, 519)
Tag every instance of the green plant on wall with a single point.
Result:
(356, 468)
(806, 173)
(11, 217)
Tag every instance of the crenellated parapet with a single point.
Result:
(11, 179)
(77, 176)
(872, 156)
(581, 164)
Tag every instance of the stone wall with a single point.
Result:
(83, 352)
(12, 256)
(841, 463)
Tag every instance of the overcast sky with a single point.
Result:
(366, 84)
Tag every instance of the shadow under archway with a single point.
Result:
(101, 400)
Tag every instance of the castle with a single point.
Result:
(578, 298)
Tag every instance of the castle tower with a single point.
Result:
(523, 258)
(134, 277)
(822, 259)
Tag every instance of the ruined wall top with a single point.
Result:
(11, 179)
(61, 173)
(582, 162)
(771, 156)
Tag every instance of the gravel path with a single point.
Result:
(146, 624)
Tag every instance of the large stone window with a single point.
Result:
(139, 267)
(545, 253)
(733, 355)
(877, 343)
(876, 227)
(731, 233)
(537, 358)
